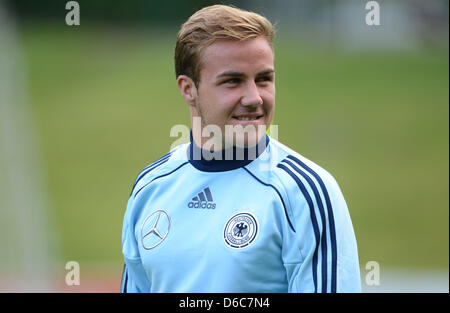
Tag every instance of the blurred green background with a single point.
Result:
(103, 98)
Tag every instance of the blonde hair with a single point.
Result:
(214, 23)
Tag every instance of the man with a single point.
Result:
(234, 210)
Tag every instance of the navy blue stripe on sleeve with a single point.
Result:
(313, 219)
(163, 175)
(150, 168)
(165, 156)
(330, 219)
(323, 237)
(269, 185)
(123, 288)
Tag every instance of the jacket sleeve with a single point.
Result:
(320, 254)
(134, 277)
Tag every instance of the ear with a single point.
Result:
(187, 88)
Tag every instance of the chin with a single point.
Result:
(247, 139)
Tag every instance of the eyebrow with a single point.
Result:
(240, 74)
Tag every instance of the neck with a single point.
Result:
(224, 159)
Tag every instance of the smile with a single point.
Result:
(247, 118)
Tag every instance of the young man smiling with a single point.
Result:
(237, 87)
(257, 217)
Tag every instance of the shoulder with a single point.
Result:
(292, 174)
(299, 182)
(281, 166)
(165, 165)
(291, 166)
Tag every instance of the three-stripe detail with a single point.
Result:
(150, 168)
(201, 196)
(301, 173)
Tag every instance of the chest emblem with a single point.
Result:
(155, 229)
(240, 230)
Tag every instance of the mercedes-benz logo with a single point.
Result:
(155, 229)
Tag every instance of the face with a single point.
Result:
(236, 88)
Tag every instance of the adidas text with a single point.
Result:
(202, 205)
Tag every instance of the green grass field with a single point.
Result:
(105, 100)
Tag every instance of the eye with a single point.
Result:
(264, 79)
(232, 81)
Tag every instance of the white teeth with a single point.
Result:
(242, 118)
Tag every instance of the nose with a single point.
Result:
(252, 96)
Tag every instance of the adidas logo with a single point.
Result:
(203, 200)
